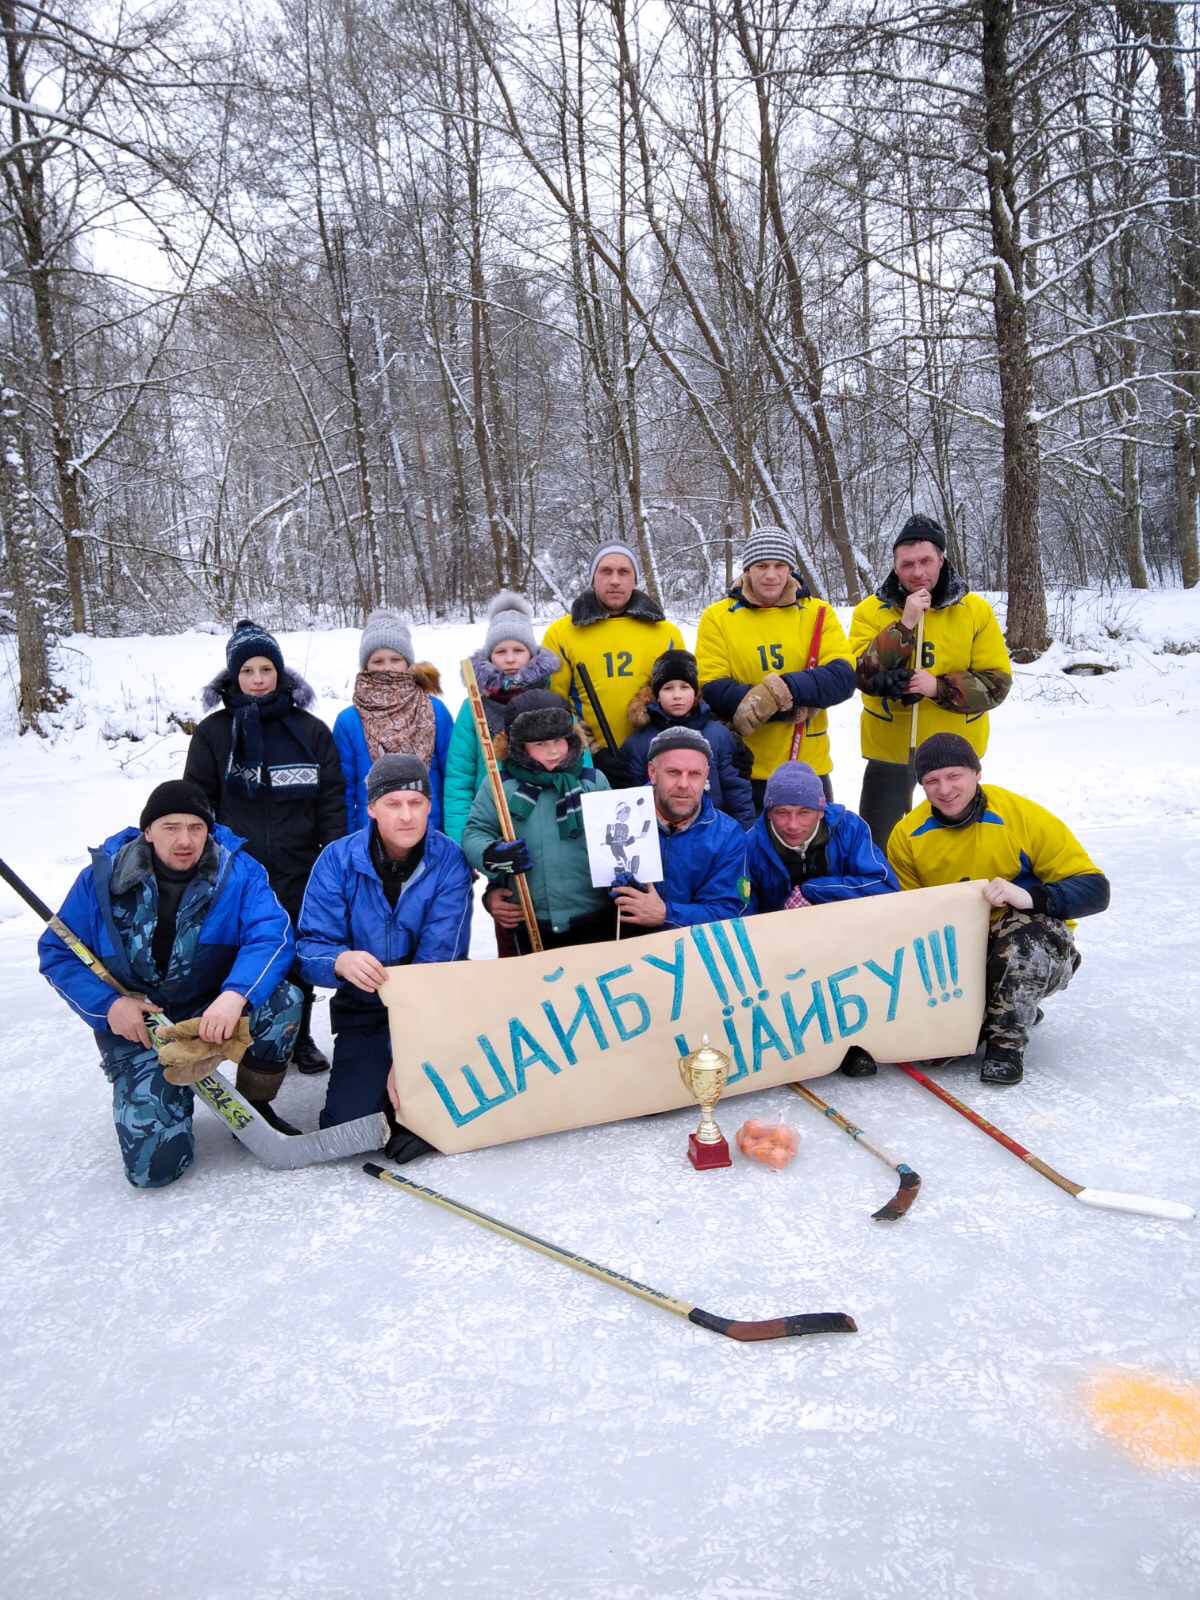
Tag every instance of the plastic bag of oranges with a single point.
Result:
(771, 1143)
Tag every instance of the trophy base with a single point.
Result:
(706, 1156)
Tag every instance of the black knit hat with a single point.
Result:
(944, 750)
(537, 714)
(396, 770)
(679, 738)
(921, 530)
(249, 639)
(176, 796)
(675, 666)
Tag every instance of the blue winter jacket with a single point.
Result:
(704, 869)
(856, 865)
(728, 790)
(230, 933)
(345, 908)
(356, 762)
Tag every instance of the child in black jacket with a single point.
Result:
(672, 701)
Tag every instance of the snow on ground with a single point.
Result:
(285, 1385)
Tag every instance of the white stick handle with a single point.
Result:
(1143, 1205)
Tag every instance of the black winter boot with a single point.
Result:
(306, 1057)
(272, 1118)
(856, 1063)
(1001, 1065)
(259, 1081)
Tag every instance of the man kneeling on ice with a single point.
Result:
(805, 851)
(703, 850)
(393, 893)
(179, 913)
(1039, 876)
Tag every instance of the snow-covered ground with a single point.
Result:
(284, 1385)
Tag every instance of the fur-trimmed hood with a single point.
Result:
(947, 591)
(587, 609)
(645, 712)
(216, 692)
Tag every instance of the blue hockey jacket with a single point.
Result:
(231, 932)
(352, 752)
(727, 789)
(704, 869)
(856, 865)
(345, 908)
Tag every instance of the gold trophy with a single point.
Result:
(704, 1073)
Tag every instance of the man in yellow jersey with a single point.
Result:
(753, 650)
(1039, 878)
(964, 671)
(617, 632)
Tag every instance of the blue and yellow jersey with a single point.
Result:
(738, 645)
(962, 646)
(618, 653)
(1010, 837)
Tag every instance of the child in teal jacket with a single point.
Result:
(509, 663)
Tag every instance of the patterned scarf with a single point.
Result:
(244, 774)
(567, 784)
(397, 715)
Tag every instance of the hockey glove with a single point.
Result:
(186, 1058)
(765, 700)
(503, 858)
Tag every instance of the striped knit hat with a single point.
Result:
(769, 544)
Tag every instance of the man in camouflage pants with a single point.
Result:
(1039, 880)
(186, 920)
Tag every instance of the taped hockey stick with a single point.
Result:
(775, 1328)
(1143, 1205)
(910, 1181)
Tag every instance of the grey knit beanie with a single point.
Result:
(615, 547)
(385, 630)
(679, 738)
(391, 772)
(510, 616)
(769, 544)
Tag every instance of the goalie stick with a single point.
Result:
(280, 1151)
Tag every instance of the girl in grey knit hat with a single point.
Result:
(509, 662)
(394, 712)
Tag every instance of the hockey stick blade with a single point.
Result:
(1142, 1205)
(287, 1152)
(746, 1332)
(897, 1206)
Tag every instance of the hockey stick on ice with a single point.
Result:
(278, 1150)
(1143, 1205)
(776, 1328)
(910, 1181)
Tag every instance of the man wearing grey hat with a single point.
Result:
(765, 667)
(393, 893)
(617, 632)
(703, 850)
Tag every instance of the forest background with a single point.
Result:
(317, 306)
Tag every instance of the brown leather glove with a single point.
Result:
(766, 700)
(186, 1058)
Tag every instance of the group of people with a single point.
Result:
(288, 857)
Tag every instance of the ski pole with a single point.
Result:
(1104, 1199)
(910, 1181)
(814, 655)
(278, 1150)
(775, 1328)
(499, 798)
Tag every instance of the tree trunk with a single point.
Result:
(36, 693)
(1028, 627)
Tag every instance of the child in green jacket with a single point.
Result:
(544, 781)
(509, 664)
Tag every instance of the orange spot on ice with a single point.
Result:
(1156, 1420)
